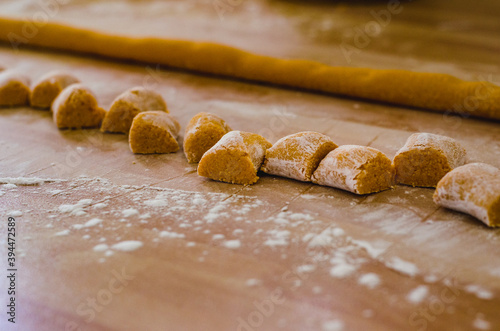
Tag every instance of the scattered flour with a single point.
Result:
(402, 266)
(127, 246)
(480, 323)
(306, 268)
(370, 280)
(232, 244)
(100, 248)
(479, 291)
(62, 233)
(252, 282)
(15, 213)
(333, 325)
(277, 238)
(342, 270)
(156, 203)
(130, 212)
(324, 239)
(76, 209)
(92, 222)
(25, 180)
(418, 294)
(172, 235)
(373, 249)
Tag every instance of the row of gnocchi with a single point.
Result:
(426, 160)
(74, 106)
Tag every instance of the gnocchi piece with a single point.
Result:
(298, 155)
(47, 88)
(235, 158)
(154, 132)
(76, 107)
(426, 158)
(202, 132)
(473, 189)
(357, 169)
(127, 105)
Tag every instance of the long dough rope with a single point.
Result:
(437, 92)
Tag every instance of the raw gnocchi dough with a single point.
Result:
(154, 132)
(76, 107)
(473, 189)
(202, 132)
(127, 105)
(426, 158)
(48, 87)
(14, 89)
(435, 91)
(358, 169)
(235, 158)
(297, 155)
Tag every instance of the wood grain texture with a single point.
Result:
(175, 285)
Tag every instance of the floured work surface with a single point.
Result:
(160, 248)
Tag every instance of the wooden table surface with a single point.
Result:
(277, 255)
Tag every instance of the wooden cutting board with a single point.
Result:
(281, 254)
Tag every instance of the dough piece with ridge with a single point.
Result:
(235, 158)
(358, 169)
(298, 155)
(47, 88)
(76, 107)
(202, 132)
(127, 105)
(154, 132)
(14, 89)
(426, 158)
(473, 189)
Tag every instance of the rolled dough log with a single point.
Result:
(48, 87)
(76, 107)
(358, 169)
(426, 158)
(439, 92)
(14, 89)
(473, 189)
(297, 155)
(127, 105)
(154, 132)
(235, 158)
(202, 132)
